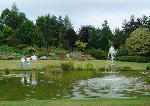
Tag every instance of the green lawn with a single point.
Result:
(85, 102)
(15, 64)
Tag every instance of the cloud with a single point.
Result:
(83, 12)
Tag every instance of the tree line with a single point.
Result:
(17, 31)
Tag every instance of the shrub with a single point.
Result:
(67, 66)
(122, 52)
(89, 67)
(126, 68)
(7, 50)
(148, 67)
(98, 54)
(3, 57)
(80, 67)
(17, 56)
(140, 59)
(7, 71)
(30, 50)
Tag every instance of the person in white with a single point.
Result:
(28, 62)
(22, 62)
(34, 58)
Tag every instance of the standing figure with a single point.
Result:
(111, 53)
(22, 62)
(34, 58)
(28, 62)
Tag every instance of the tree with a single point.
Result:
(81, 46)
(6, 34)
(13, 17)
(29, 34)
(83, 34)
(107, 37)
(67, 22)
(133, 24)
(118, 38)
(139, 42)
(71, 37)
(48, 25)
(94, 40)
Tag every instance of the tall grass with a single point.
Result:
(97, 64)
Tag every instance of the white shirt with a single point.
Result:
(22, 60)
(28, 59)
(33, 57)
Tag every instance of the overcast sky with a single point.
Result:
(83, 12)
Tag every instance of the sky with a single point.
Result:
(83, 12)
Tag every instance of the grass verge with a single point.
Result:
(85, 102)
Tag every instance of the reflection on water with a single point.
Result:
(26, 77)
(73, 85)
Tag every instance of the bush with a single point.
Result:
(30, 50)
(139, 59)
(67, 66)
(43, 52)
(122, 52)
(17, 56)
(148, 67)
(7, 50)
(89, 67)
(98, 54)
(126, 68)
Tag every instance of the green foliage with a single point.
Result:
(12, 18)
(98, 54)
(94, 40)
(29, 34)
(81, 46)
(17, 56)
(7, 50)
(71, 38)
(133, 24)
(122, 52)
(148, 67)
(30, 50)
(139, 42)
(126, 68)
(42, 51)
(52, 69)
(118, 39)
(89, 67)
(139, 59)
(67, 66)
(107, 36)
(67, 22)
(6, 34)
(84, 33)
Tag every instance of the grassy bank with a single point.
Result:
(86, 102)
(15, 64)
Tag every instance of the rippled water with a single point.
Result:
(110, 86)
(72, 85)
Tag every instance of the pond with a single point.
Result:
(72, 85)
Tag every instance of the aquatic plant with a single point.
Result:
(148, 67)
(67, 66)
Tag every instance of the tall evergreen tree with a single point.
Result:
(13, 17)
(107, 36)
(29, 34)
(94, 39)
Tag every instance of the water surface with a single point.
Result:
(73, 85)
